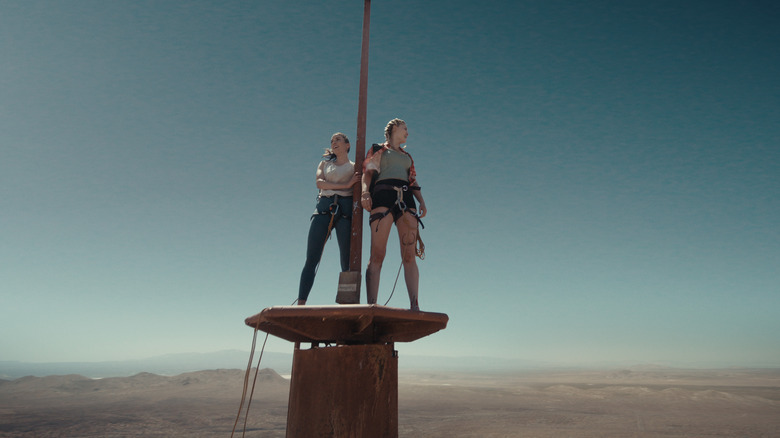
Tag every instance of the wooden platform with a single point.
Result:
(347, 324)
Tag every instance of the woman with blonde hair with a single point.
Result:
(389, 192)
(334, 178)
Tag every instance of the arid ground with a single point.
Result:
(637, 402)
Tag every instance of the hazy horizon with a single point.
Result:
(281, 362)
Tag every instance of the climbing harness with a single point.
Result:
(398, 209)
(333, 210)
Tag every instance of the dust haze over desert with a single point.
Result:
(623, 402)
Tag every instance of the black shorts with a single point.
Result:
(384, 196)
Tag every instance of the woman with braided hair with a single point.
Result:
(389, 192)
(335, 177)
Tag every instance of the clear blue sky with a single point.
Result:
(603, 177)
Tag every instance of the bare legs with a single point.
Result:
(407, 235)
(380, 231)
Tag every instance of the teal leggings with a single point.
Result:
(318, 230)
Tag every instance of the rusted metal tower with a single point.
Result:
(346, 384)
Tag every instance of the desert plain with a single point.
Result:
(632, 402)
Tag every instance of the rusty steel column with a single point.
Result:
(345, 391)
(348, 388)
(349, 282)
(356, 247)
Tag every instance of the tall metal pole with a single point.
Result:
(349, 282)
(356, 246)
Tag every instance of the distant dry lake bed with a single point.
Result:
(635, 402)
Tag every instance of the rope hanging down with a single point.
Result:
(246, 383)
(419, 252)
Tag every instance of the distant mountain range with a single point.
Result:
(75, 384)
(166, 365)
(174, 364)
